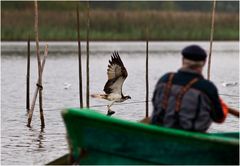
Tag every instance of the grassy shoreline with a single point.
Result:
(119, 25)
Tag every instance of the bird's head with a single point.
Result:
(127, 97)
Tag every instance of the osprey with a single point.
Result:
(117, 74)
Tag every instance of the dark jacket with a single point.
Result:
(190, 103)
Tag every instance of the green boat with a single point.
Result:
(95, 138)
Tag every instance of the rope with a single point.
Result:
(134, 102)
(229, 95)
(100, 105)
(211, 39)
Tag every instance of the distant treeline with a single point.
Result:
(222, 6)
(57, 21)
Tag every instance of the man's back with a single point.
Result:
(187, 101)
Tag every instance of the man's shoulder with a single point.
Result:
(207, 83)
(165, 77)
(207, 86)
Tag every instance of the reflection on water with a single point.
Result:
(24, 145)
(40, 139)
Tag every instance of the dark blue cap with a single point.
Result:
(194, 52)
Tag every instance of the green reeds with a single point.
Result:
(122, 25)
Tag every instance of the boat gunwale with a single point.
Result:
(149, 129)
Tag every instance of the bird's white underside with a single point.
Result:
(117, 86)
(114, 97)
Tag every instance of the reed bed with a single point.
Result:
(120, 25)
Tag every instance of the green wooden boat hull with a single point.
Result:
(95, 138)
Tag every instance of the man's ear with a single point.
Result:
(182, 60)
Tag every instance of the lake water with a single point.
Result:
(23, 145)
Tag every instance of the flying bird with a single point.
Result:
(117, 74)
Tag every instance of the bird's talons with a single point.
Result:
(110, 112)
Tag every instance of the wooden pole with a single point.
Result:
(211, 39)
(39, 84)
(147, 83)
(79, 61)
(87, 65)
(231, 110)
(39, 66)
(28, 77)
(37, 89)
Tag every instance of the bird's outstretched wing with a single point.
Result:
(117, 74)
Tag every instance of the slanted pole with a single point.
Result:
(28, 77)
(39, 83)
(79, 60)
(211, 40)
(87, 62)
(147, 82)
(39, 66)
(37, 89)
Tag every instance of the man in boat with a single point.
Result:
(185, 99)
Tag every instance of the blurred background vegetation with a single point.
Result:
(121, 20)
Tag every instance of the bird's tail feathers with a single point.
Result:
(99, 96)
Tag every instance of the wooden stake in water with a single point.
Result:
(28, 77)
(211, 39)
(39, 67)
(37, 89)
(87, 62)
(39, 84)
(147, 83)
(79, 61)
